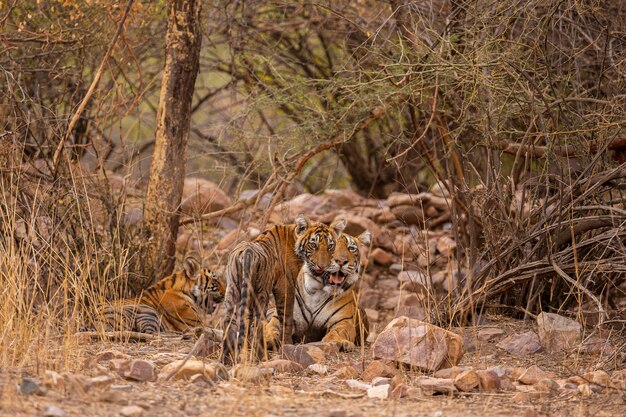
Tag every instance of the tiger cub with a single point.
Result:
(268, 266)
(176, 303)
(326, 307)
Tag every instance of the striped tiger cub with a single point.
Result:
(268, 266)
(176, 303)
(326, 307)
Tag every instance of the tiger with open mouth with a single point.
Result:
(326, 307)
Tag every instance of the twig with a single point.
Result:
(92, 88)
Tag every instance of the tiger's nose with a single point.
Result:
(342, 261)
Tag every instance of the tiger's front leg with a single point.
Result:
(343, 333)
(284, 312)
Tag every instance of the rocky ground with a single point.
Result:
(547, 365)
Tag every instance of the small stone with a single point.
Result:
(546, 385)
(618, 379)
(210, 371)
(337, 413)
(282, 366)
(100, 381)
(584, 390)
(379, 368)
(327, 347)
(381, 380)
(451, 372)
(431, 386)
(467, 381)
(138, 370)
(488, 333)
(521, 344)
(346, 372)
(318, 368)
(379, 391)
(400, 391)
(372, 315)
(411, 305)
(488, 381)
(52, 379)
(413, 281)
(395, 268)
(108, 355)
(121, 387)
(558, 333)
(53, 411)
(524, 397)
(358, 385)
(132, 411)
(251, 374)
(446, 246)
(532, 375)
(305, 355)
(381, 257)
(29, 386)
(598, 378)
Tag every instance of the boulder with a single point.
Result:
(418, 344)
(558, 333)
(521, 343)
(202, 196)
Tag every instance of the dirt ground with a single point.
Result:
(307, 393)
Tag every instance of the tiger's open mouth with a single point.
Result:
(335, 278)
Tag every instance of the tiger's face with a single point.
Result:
(316, 242)
(208, 290)
(345, 267)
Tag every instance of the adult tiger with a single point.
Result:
(326, 307)
(176, 303)
(269, 265)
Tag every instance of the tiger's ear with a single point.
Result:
(338, 226)
(302, 223)
(191, 266)
(365, 238)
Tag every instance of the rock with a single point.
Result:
(210, 371)
(618, 379)
(411, 305)
(546, 385)
(282, 366)
(346, 372)
(409, 214)
(76, 383)
(489, 381)
(381, 257)
(487, 333)
(53, 411)
(413, 281)
(466, 381)
(108, 355)
(337, 413)
(521, 343)
(355, 225)
(381, 380)
(358, 385)
(418, 344)
(305, 355)
(29, 386)
(446, 246)
(135, 370)
(372, 315)
(132, 411)
(370, 298)
(328, 348)
(450, 373)
(379, 391)
(251, 374)
(524, 397)
(599, 378)
(379, 368)
(584, 390)
(532, 375)
(312, 205)
(395, 268)
(431, 386)
(558, 333)
(318, 368)
(202, 196)
(101, 381)
(440, 189)
(121, 387)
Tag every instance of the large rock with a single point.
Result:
(521, 343)
(202, 196)
(558, 333)
(418, 344)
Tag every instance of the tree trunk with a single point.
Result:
(167, 168)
